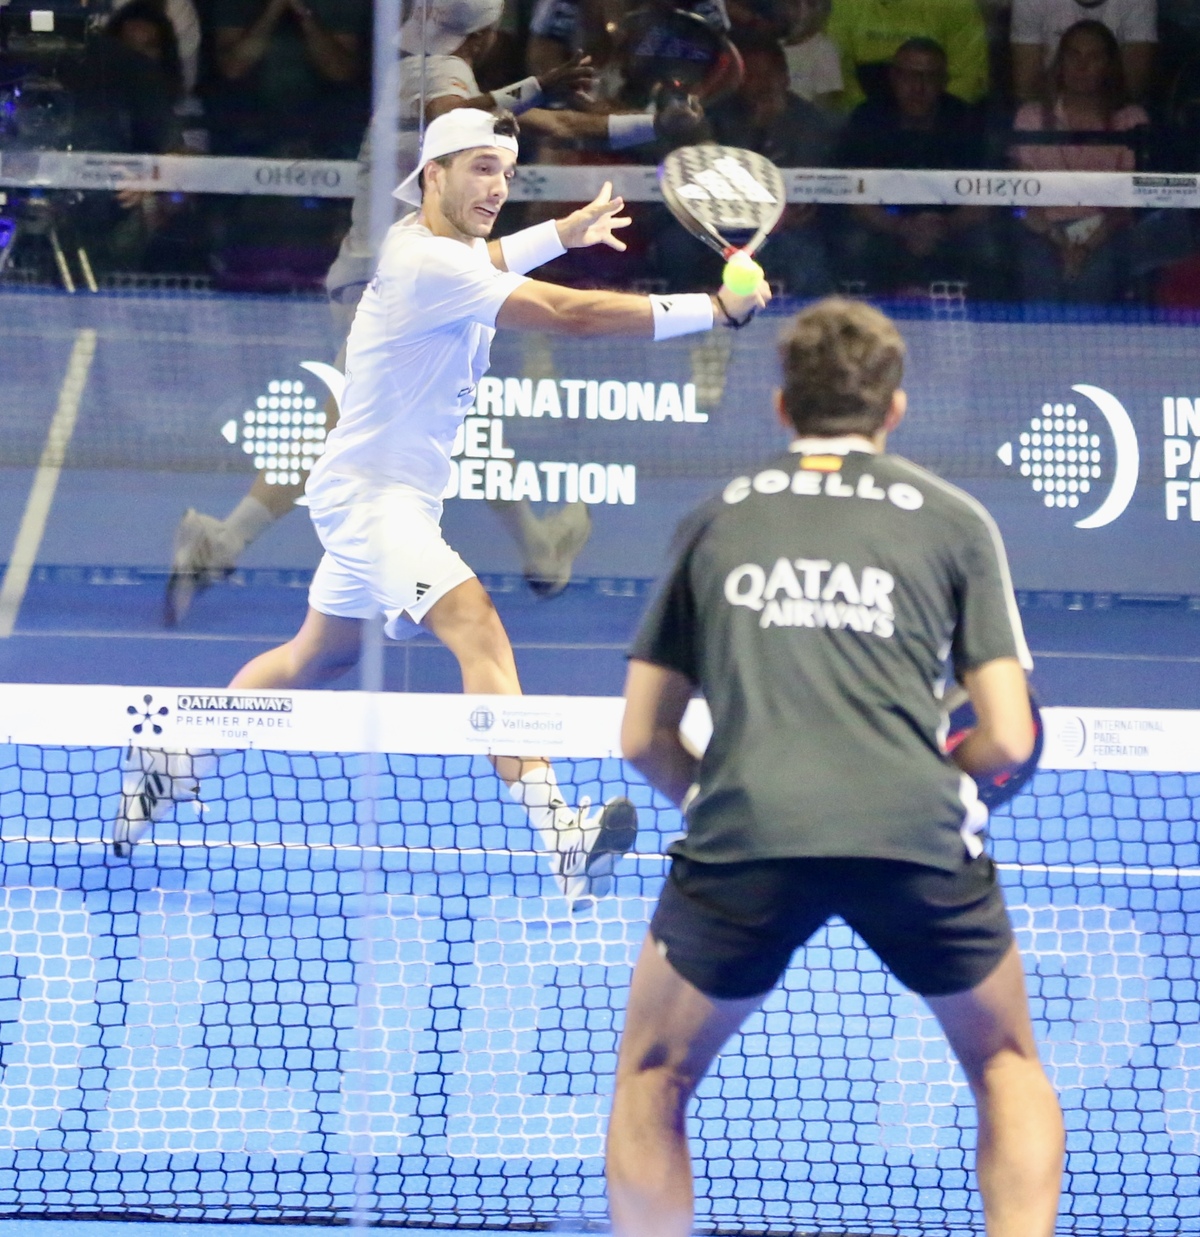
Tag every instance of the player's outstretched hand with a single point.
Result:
(595, 223)
(576, 77)
(743, 308)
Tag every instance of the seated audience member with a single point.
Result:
(917, 124)
(292, 76)
(123, 99)
(116, 97)
(440, 56)
(1079, 253)
(869, 32)
(1038, 26)
(144, 27)
(814, 66)
(185, 25)
(763, 116)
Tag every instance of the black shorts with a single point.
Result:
(730, 928)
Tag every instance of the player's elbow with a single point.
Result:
(1012, 743)
(637, 743)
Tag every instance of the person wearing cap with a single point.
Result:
(454, 36)
(418, 347)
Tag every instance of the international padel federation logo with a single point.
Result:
(1078, 461)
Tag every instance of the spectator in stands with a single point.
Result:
(772, 18)
(1068, 252)
(292, 76)
(122, 99)
(185, 25)
(814, 65)
(917, 124)
(158, 231)
(869, 32)
(144, 27)
(454, 37)
(1038, 26)
(595, 28)
(764, 116)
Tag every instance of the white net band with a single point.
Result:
(576, 727)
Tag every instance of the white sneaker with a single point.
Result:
(153, 781)
(549, 546)
(205, 553)
(588, 851)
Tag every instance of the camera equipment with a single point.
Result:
(34, 29)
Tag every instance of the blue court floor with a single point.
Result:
(92, 610)
(104, 625)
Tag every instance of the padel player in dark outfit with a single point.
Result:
(814, 603)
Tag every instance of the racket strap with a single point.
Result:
(730, 321)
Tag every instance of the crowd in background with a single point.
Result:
(1074, 85)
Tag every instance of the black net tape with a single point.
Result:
(257, 1018)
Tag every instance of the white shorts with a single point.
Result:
(384, 554)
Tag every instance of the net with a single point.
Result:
(350, 983)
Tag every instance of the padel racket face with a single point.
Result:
(998, 788)
(666, 45)
(717, 192)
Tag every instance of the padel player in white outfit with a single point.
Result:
(440, 54)
(419, 345)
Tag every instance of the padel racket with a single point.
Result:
(997, 788)
(717, 192)
(666, 46)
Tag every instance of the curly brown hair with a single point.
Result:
(842, 362)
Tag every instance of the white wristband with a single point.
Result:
(532, 247)
(630, 129)
(520, 96)
(681, 315)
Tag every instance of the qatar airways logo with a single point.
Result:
(815, 592)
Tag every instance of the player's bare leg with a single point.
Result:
(587, 846)
(466, 621)
(672, 1033)
(1019, 1161)
(322, 650)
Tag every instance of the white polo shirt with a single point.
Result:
(420, 342)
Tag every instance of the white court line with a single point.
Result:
(1155, 657)
(45, 481)
(1081, 869)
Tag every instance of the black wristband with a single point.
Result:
(730, 320)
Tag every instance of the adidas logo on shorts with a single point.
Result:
(422, 589)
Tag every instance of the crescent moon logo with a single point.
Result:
(1125, 475)
(333, 378)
